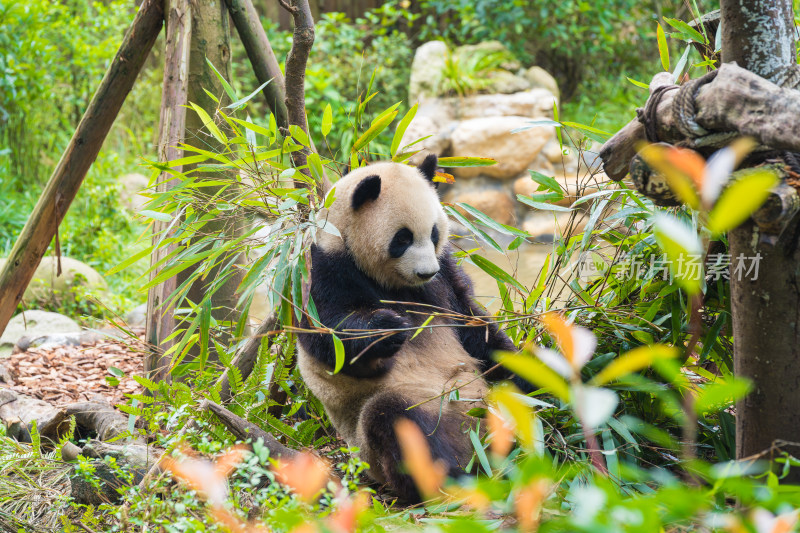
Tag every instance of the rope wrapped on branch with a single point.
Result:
(708, 112)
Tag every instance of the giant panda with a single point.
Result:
(389, 268)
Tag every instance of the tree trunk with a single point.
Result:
(172, 123)
(211, 41)
(758, 35)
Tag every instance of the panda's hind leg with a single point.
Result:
(377, 428)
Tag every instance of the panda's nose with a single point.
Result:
(425, 276)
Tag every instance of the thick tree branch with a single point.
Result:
(261, 56)
(160, 318)
(296, 61)
(736, 101)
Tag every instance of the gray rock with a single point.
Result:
(137, 317)
(35, 323)
(504, 82)
(539, 77)
(48, 287)
(426, 71)
(531, 103)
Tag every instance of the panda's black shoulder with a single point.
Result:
(336, 278)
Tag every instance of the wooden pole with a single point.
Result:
(759, 36)
(261, 56)
(161, 319)
(81, 152)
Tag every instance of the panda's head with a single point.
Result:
(391, 222)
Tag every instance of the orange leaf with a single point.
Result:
(305, 474)
(209, 479)
(529, 504)
(562, 331)
(429, 475)
(689, 162)
(345, 518)
(444, 177)
(502, 434)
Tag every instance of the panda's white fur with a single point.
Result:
(356, 284)
(406, 200)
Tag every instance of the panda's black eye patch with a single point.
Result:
(435, 235)
(400, 243)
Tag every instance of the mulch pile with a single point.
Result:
(68, 374)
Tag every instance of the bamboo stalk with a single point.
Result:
(80, 153)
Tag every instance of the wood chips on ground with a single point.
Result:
(68, 374)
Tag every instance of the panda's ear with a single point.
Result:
(428, 168)
(367, 190)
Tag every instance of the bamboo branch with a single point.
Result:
(244, 430)
(261, 56)
(81, 151)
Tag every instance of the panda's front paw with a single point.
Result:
(388, 319)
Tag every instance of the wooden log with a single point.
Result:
(245, 430)
(18, 413)
(99, 417)
(80, 153)
(735, 101)
(262, 58)
(160, 319)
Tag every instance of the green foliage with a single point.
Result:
(52, 57)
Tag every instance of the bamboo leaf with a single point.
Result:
(327, 120)
(225, 85)
(209, 124)
(495, 271)
(238, 104)
(541, 205)
(663, 49)
(633, 361)
(373, 131)
(740, 200)
(536, 372)
(689, 33)
(449, 162)
(401, 129)
(339, 351)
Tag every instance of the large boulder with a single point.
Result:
(492, 137)
(529, 103)
(476, 52)
(427, 70)
(48, 286)
(495, 203)
(35, 323)
(539, 77)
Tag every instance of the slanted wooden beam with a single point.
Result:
(79, 155)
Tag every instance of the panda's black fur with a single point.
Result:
(383, 376)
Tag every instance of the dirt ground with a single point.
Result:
(67, 374)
